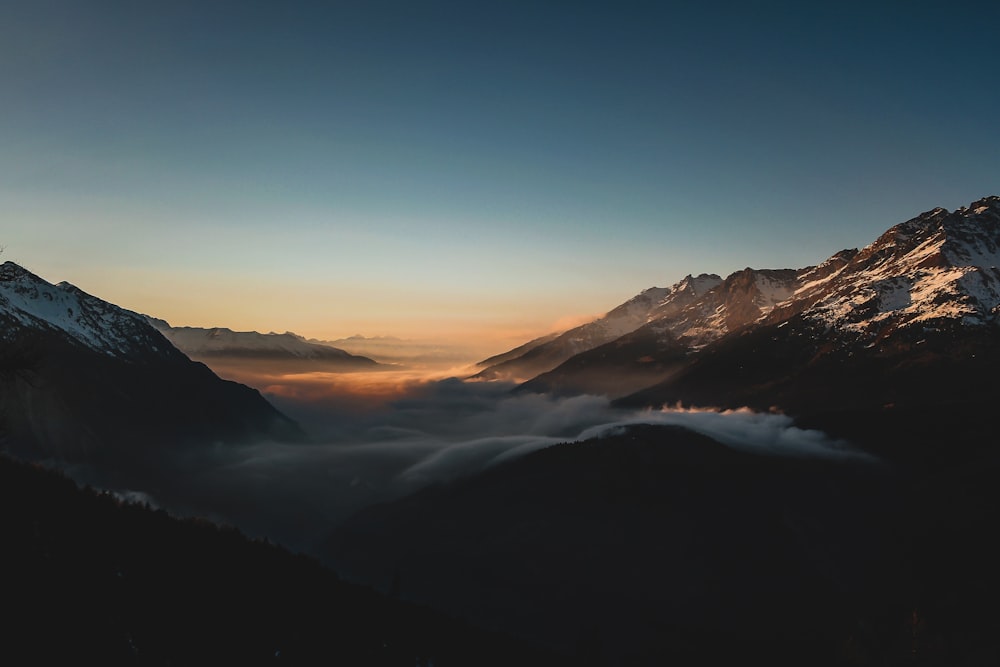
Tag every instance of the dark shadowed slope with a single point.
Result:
(88, 579)
(661, 545)
(84, 380)
(623, 366)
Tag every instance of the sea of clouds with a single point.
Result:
(430, 432)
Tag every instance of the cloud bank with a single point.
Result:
(433, 431)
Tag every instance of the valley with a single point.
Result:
(792, 465)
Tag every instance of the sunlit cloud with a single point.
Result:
(743, 428)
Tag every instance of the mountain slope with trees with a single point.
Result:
(88, 577)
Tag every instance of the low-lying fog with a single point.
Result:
(379, 435)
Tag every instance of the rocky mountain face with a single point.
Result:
(81, 379)
(29, 303)
(937, 268)
(201, 343)
(544, 354)
(863, 329)
(674, 329)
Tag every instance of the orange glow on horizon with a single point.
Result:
(322, 312)
(362, 390)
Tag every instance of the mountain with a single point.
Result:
(661, 546)
(103, 581)
(199, 343)
(82, 379)
(683, 322)
(864, 329)
(896, 345)
(518, 351)
(546, 353)
(938, 268)
(29, 303)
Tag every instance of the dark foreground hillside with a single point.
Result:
(660, 546)
(90, 579)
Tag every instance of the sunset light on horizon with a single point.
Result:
(449, 333)
(474, 173)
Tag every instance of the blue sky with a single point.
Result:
(472, 169)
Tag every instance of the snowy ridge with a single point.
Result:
(739, 300)
(33, 303)
(939, 266)
(624, 318)
(84, 378)
(220, 339)
(771, 291)
(654, 303)
(935, 276)
(650, 305)
(683, 294)
(647, 306)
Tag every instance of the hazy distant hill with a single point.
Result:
(407, 351)
(200, 343)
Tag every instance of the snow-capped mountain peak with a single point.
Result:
(32, 302)
(697, 285)
(938, 266)
(723, 306)
(934, 271)
(650, 304)
(83, 377)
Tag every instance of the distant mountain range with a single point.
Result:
(223, 348)
(887, 326)
(407, 352)
(200, 343)
(81, 378)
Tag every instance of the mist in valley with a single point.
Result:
(380, 435)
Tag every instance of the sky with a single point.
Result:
(472, 170)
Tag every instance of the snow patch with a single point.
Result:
(34, 302)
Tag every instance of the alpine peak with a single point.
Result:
(30, 302)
